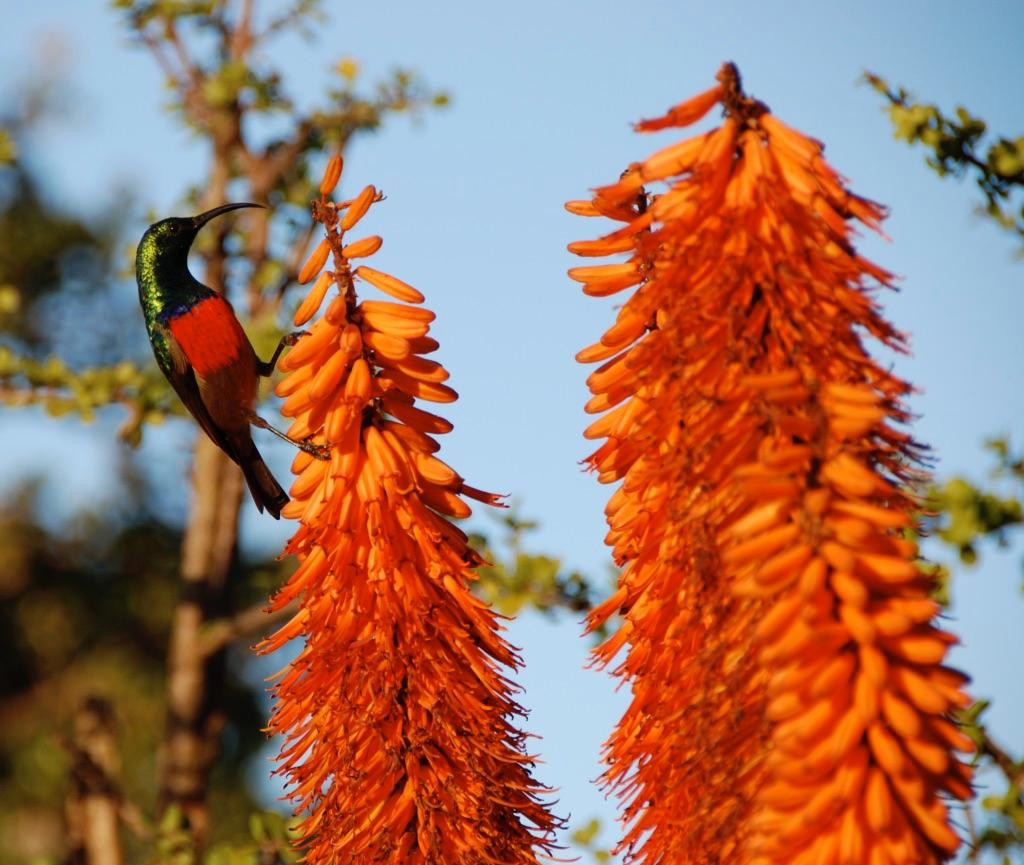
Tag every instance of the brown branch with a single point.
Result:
(188, 65)
(202, 624)
(1012, 769)
(973, 850)
(162, 60)
(277, 159)
(242, 38)
(265, 172)
(252, 622)
(19, 397)
(94, 803)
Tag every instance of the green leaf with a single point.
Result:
(586, 833)
(256, 828)
(8, 149)
(172, 818)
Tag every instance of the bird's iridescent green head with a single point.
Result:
(161, 261)
(169, 240)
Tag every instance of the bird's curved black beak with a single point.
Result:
(203, 218)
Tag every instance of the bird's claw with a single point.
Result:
(293, 337)
(318, 451)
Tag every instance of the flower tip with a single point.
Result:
(363, 248)
(685, 113)
(496, 500)
(360, 204)
(332, 174)
(582, 207)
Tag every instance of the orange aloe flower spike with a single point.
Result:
(790, 702)
(397, 718)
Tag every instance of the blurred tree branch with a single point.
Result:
(514, 579)
(249, 623)
(214, 93)
(94, 803)
(957, 150)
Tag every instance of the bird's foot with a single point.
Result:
(306, 445)
(319, 451)
(266, 367)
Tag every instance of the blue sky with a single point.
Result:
(543, 96)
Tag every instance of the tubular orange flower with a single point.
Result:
(789, 699)
(397, 717)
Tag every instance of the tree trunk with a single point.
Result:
(194, 678)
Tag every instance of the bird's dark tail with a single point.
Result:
(265, 489)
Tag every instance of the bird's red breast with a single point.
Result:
(210, 335)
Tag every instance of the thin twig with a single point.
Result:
(1012, 769)
(162, 60)
(974, 850)
(242, 39)
(249, 623)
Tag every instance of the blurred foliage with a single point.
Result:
(956, 149)
(514, 579)
(56, 291)
(62, 391)
(85, 610)
(271, 842)
(43, 251)
(1003, 830)
(584, 839)
(55, 270)
(139, 387)
(8, 149)
(218, 83)
(966, 514)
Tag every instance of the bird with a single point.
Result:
(204, 353)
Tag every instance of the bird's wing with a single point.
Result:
(182, 377)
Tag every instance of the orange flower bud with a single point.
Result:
(311, 304)
(362, 248)
(314, 264)
(332, 174)
(357, 209)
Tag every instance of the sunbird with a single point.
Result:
(201, 348)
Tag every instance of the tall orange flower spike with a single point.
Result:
(789, 699)
(397, 717)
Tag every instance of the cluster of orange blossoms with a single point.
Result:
(789, 701)
(399, 744)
